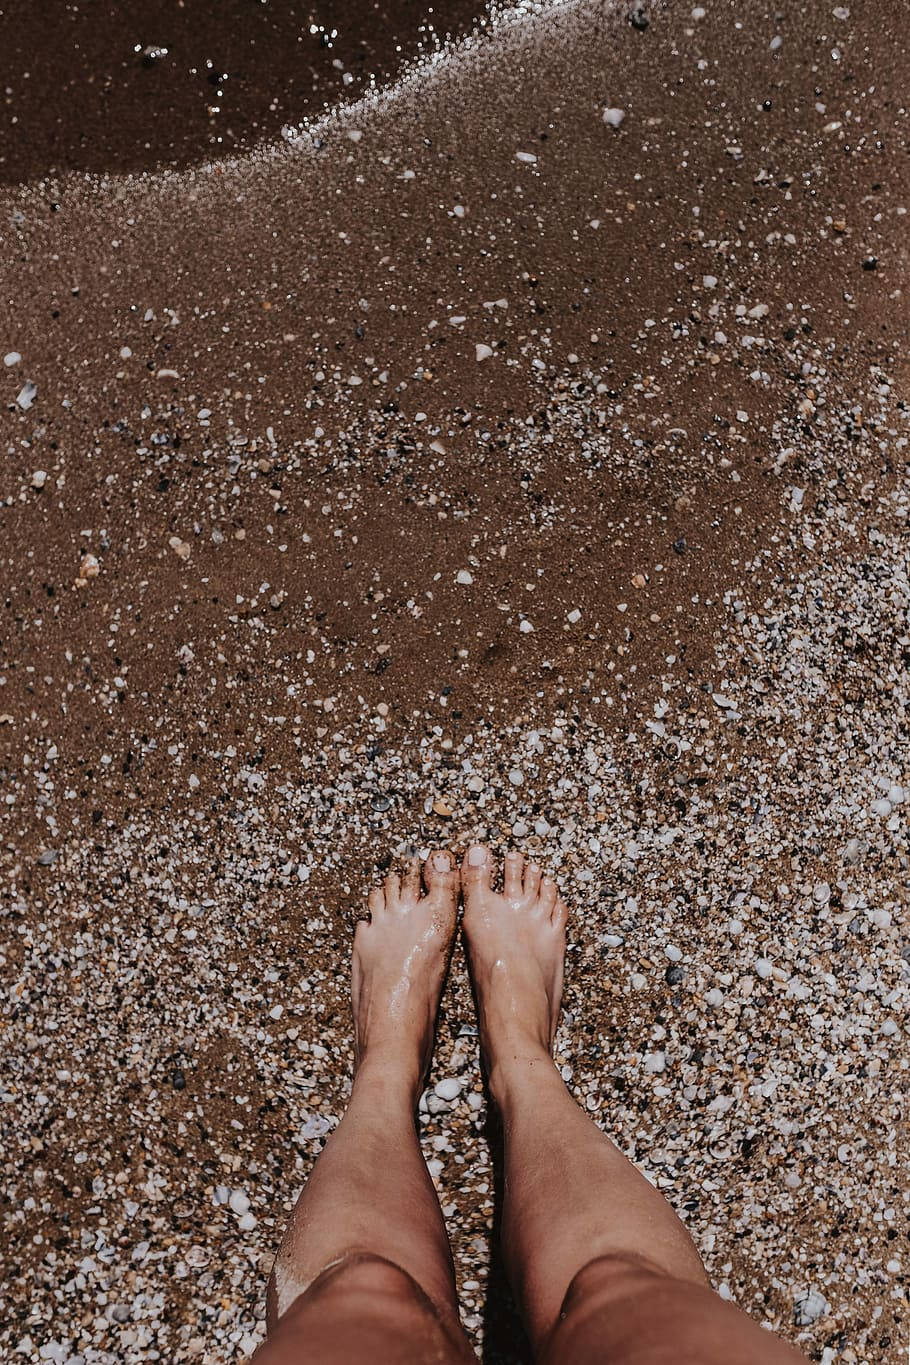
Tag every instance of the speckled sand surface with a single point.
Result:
(517, 455)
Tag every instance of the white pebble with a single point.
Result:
(881, 807)
(527, 157)
(672, 952)
(239, 1202)
(709, 281)
(573, 616)
(246, 1223)
(763, 967)
(39, 478)
(12, 358)
(655, 1062)
(449, 1088)
(463, 576)
(516, 777)
(525, 626)
(614, 117)
(714, 998)
(482, 351)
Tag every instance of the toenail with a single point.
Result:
(441, 862)
(477, 855)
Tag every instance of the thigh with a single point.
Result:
(364, 1308)
(620, 1310)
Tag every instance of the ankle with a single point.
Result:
(395, 1077)
(518, 1070)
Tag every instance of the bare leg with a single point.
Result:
(365, 1258)
(591, 1247)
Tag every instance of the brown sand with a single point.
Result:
(399, 474)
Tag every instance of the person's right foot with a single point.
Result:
(516, 945)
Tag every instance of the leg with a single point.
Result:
(581, 1226)
(365, 1257)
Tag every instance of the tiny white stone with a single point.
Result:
(482, 351)
(573, 616)
(12, 358)
(614, 117)
(724, 702)
(881, 807)
(125, 353)
(763, 967)
(714, 998)
(672, 952)
(520, 829)
(246, 1223)
(239, 1202)
(525, 627)
(39, 478)
(655, 1062)
(516, 777)
(276, 1011)
(449, 1088)
(709, 281)
(463, 576)
(527, 157)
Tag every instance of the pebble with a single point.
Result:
(239, 1202)
(482, 351)
(449, 1088)
(464, 576)
(809, 1307)
(614, 117)
(11, 358)
(26, 395)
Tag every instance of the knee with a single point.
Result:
(614, 1276)
(363, 1272)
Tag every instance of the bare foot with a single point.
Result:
(516, 945)
(399, 965)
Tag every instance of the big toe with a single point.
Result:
(476, 871)
(440, 877)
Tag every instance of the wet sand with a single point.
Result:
(517, 452)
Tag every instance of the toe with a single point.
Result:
(512, 874)
(375, 903)
(532, 879)
(476, 869)
(560, 916)
(410, 882)
(439, 875)
(392, 890)
(547, 895)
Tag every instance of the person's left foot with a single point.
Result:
(399, 965)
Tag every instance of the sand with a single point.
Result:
(514, 448)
